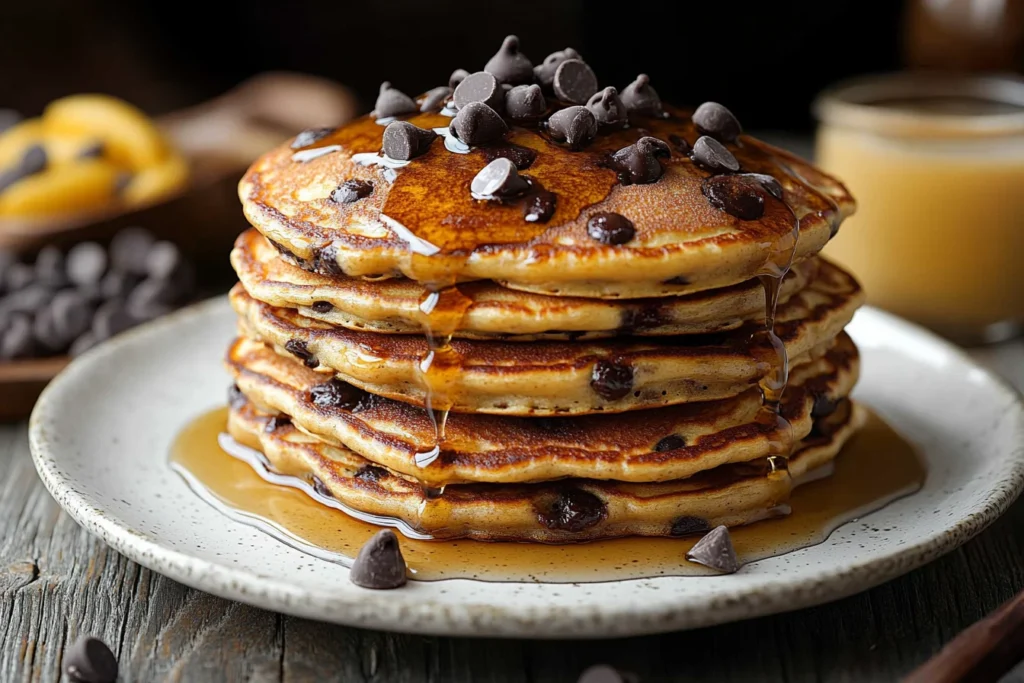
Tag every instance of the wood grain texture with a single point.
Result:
(57, 582)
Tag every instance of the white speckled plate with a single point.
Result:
(101, 432)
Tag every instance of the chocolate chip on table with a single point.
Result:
(457, 77)
(573, 510)
(392, 102)
(670, 443)
(608, 109)
(688, 525)
(352, 190)
(610, 228)
(711, 118)
(128, 250)
(610, 380)
(336, 394)
(404, 141)
(575, 82)
(477, 124)
(89, 660)
(111, 318)
(712, 155)
(509, 65)
(50, 267)
(769, 183)
(479, 87)
(498, 179)
(602, 673)
(640, 98)
(17, 340)
(310, 136)
(300, 350)
(322, 306)
(86, 264)
(525, 103)
(575, 126)
(379, 564)
(434, 98)
(545, 71)
(638, 163)
(539, 207)
(716, 551)
(738, 196)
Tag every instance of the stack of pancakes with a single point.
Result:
(595, 354)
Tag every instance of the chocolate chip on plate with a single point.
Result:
(769, 183)
(611, 380)
(434, 99)
(128, 250)
(392, 102)
(711, 118)
(310, 136)
(602, 673)
(476, 124)
(300, 350)
(670, 443)
(457, 77)
(639, 97)
(479, 87)
(712, 155)
(89, 660)
(404, 141)
(574, 81)
(379, 564)
(539, 207)
(86, 264)
(737, 195)
(498, 179)
(525, 103)
(509, 65)
(716, 551)
(575, 126)
(335, 394)
(352, 190)
(573, 510)
(638, 163)
(608, 109)
(610, 228)
(545, 71)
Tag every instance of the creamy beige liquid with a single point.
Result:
(875, 468)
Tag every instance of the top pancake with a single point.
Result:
(421, 221)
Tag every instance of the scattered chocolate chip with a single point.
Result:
(736, 195)
(336, 394)
(94, 150)
(111, 318)
(573, 510)
(602, 673)
(50, 267)
(476, 124)
(300, 350)
(82, 344)
(679, 143)
(716, 551)
(320, 487)
(575, 126)
(322, 306)
(545, 71)
(116, 284)
(275, 423)
(638, 163)
(608, 109)
(128, 250)
(479, 87)
(712, 155)
(236, 399)
(498, 179)
(380, 564)
(539, 207)
(509, 65)
(610, 380)
(164, 260)
(352, 190)
(522, 157)
(715, 120)
(310, 136)
(34, 160)
(670, 443)
(574, 81)
(86, 264)
(371, 473)
(610, 228)
(525, 103)
(17, 340)
(27, 299)
(89, 660)
(769, 183)
(404, 141)
(434, 99)
(71, 313)
(640, 98)
(457, 77)
(689, 526)
(17, 276)
(392, 102)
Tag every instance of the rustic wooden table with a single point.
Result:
(57, 582)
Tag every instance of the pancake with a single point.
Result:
(653, 445)
(549, 378)
(559, 512)
(421, 222)
(493, 311)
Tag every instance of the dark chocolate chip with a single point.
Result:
(300, 350)
(602, 673)
(824, 405)
(574, 81)
(8, 119)
(325, 260)
(322, 306)
(476, 124)
(525, 103)
(116, 284)
(573, 510)
(371, 473)
(670, 443)
(93, 150)
(17, 340)
(736, 195)
(678, 280)
(457, 77)
(336, 394)
(71, 313)
(380, 564)
(610, 228)
(236, 399)
(89, 660)
(86, 264)
(50, 267)
(545, 71)
(18, 276)
(715, 120)
(111, 318)
(152, 298)
(392, 102)
(575, 126)
(434, 99)
(310, 136)
(638, 163)
(509, 65)
(275, 423)
(608, 109)
(404, 141)
(689, 526)
(320, 487)
(164, 261)
(352, 190)
(82, 344)
(33, 160)
(640, 98)
(27, 299)
(679, 143)
(498, 179)
(610, 380)
(716, 551)
(522, 157)
(479, 87)
(539, 207)
(769, 183)
(712, 155)
(128, 250)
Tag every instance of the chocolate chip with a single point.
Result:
(320, 487)
(713, 119)
(352, 190)
(640, 98)
(275, 423)
(479, 87)
(152, 298)
(17, 340)
(165, 261)
(457, 77)
(498, 179)
(611, 381)
(476, 124)
(116, 284)
(638, 163)
(71, 314)
(128, 250)
(93, 150)
(670, 443)
(380, 564)
(689, 526)
(300, 350)
(33, 160)
(610, 228)
(539, 207)
(679, 143)
(545, 71)
(574, 81)
(89, 660)
(86, 264)
(736, 195)
(336, 394)
(27, 299)
(575, 126)
(392, 102)
(608, 109)
(769, 183)
(522, 157)
(712, 155)
(601, 673)
(50, 267)
(371, 473)
(525, 103)
(325, 260)
(404, 141)
(824, 406)
(716, 551)
(111, 318)
(322, 306)
(82, 344)
(573, 510)
(310, 136)
(17, 276)
(236, 399)
(434, 99)
(509, 65)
